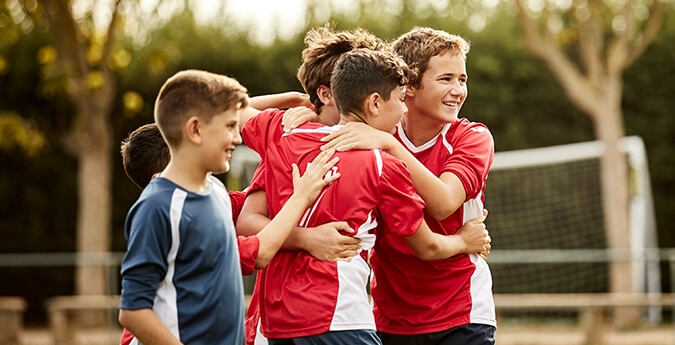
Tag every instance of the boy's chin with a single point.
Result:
(222, 169)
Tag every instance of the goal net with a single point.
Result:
(546, 220)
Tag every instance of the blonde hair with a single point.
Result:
(324, 48)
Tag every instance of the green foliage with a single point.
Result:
(19, 133)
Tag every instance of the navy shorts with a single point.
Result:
(355, 337)
(470, 334)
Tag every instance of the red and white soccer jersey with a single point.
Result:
(413, 296)
(303, 296)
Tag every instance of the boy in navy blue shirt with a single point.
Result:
(181, 278)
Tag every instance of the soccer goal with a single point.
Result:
(546, 220)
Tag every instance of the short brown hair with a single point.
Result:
(420, 44)
(195, 93)
(324, 47)
(362, 72)
(144, 153)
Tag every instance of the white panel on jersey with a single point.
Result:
(352, 310)
(166, 306)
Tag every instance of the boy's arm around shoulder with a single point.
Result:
(283, 100)
(443, 195)
(463, 175)
(146, 327)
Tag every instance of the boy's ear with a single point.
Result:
(373, 104)
(325, 95)
(410, 90)
(193, 130)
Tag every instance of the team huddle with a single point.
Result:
(363, 221)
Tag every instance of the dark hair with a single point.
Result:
(144, 153)
(324, 48)
(195, 93)
(420, 44)
(362, 72)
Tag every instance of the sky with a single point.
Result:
(264, 17)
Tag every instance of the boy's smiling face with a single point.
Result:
(219, 138)
(442, 89)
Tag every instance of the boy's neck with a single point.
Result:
(186, 174)
(418, 131)
(351, 117)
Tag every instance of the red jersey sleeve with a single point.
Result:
(263, 130)
(471, 158)
(248, 253)
(237, 200)
(127, 337)
(401, 208)
(258, 180)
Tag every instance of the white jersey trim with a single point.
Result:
(166, 304)
(482, 302)
(416, 149)
(378, 158)
(325, 129)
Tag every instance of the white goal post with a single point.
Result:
(573, 171)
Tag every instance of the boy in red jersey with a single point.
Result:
(447, 301)
(324, 47)
(305, 301)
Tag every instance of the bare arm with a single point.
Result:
(280, 100)
(323, 242)
(146, 327)
(443, 195)
(472, 237)
(306, 190)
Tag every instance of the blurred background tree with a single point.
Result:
(588, 45)
(74, 91)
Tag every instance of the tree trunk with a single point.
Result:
(94, 209)
(615, 195)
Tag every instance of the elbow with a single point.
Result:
(123, 318)
(443, 209)
(441, 213)
(429, 252)
(262, 261)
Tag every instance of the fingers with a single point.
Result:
(343, 226)
(322, 160)
(295, 117)
(296, 172)
(335, 134)
(347, 255)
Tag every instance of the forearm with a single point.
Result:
(253, 224)
(449, 246)
(442, 199)
(146, 327)
(279, 100)
(277, 231)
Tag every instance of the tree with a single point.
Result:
(82, 57)
(588, 45)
